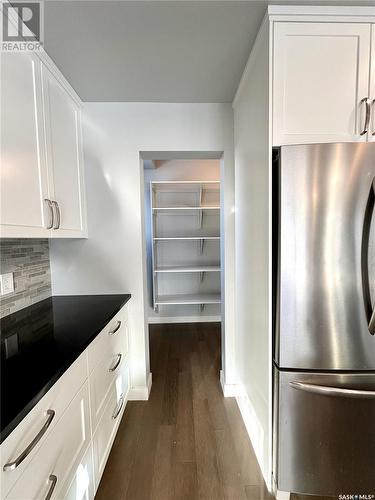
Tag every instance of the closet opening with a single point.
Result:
(183, 235)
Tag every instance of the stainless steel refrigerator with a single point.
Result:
(324, 321)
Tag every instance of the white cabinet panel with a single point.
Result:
(320, 75)
(60, 454)
(64, 156)
(23, 170)
(371, 136)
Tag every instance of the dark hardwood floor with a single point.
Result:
(187, 442)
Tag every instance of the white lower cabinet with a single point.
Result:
(81, 414)
(59, 455)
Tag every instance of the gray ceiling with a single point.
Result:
(163, 51)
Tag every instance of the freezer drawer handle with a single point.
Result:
(369, 309)
(324, 390)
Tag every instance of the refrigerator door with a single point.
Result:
(326, 264)
(326, 433)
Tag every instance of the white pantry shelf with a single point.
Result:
(193, 298)
(196, 183)
(188, 269)
(170, 238)
(185, 208)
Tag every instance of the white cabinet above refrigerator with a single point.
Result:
(322, 91)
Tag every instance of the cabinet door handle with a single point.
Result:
(373, 118)
(13, 465)
(53, 480)
(58, 218)
(113, 368)
(49, 203)
(118, 408)
(116, 328)
(366, 100)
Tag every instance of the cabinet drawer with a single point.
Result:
(104, 374)
(81, 485)
(104, 344)
(109, 422)
(57, 399)
(59, 455)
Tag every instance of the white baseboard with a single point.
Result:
(255, 432)
(229, 390)
(282, 495)
(141, 393)
(183, 319)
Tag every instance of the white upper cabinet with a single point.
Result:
(64, 157)
(321, 74)
(42, 188)
(24, 182)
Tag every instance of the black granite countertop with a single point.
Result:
(40, 342)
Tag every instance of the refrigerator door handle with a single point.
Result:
(324, 390)
(369, 309)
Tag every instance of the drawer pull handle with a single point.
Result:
(118, 408)
(13, 465)
(116, 328)
(53, 480)
(113, 368)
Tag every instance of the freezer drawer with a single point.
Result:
(325, 433)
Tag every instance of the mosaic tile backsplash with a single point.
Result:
(28, 260)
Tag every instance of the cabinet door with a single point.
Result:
(64, 157)
(371, 136)
(24, 213)
(321, 74)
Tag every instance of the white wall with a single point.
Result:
(253, 271)
(113, 259)
(182, 170)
